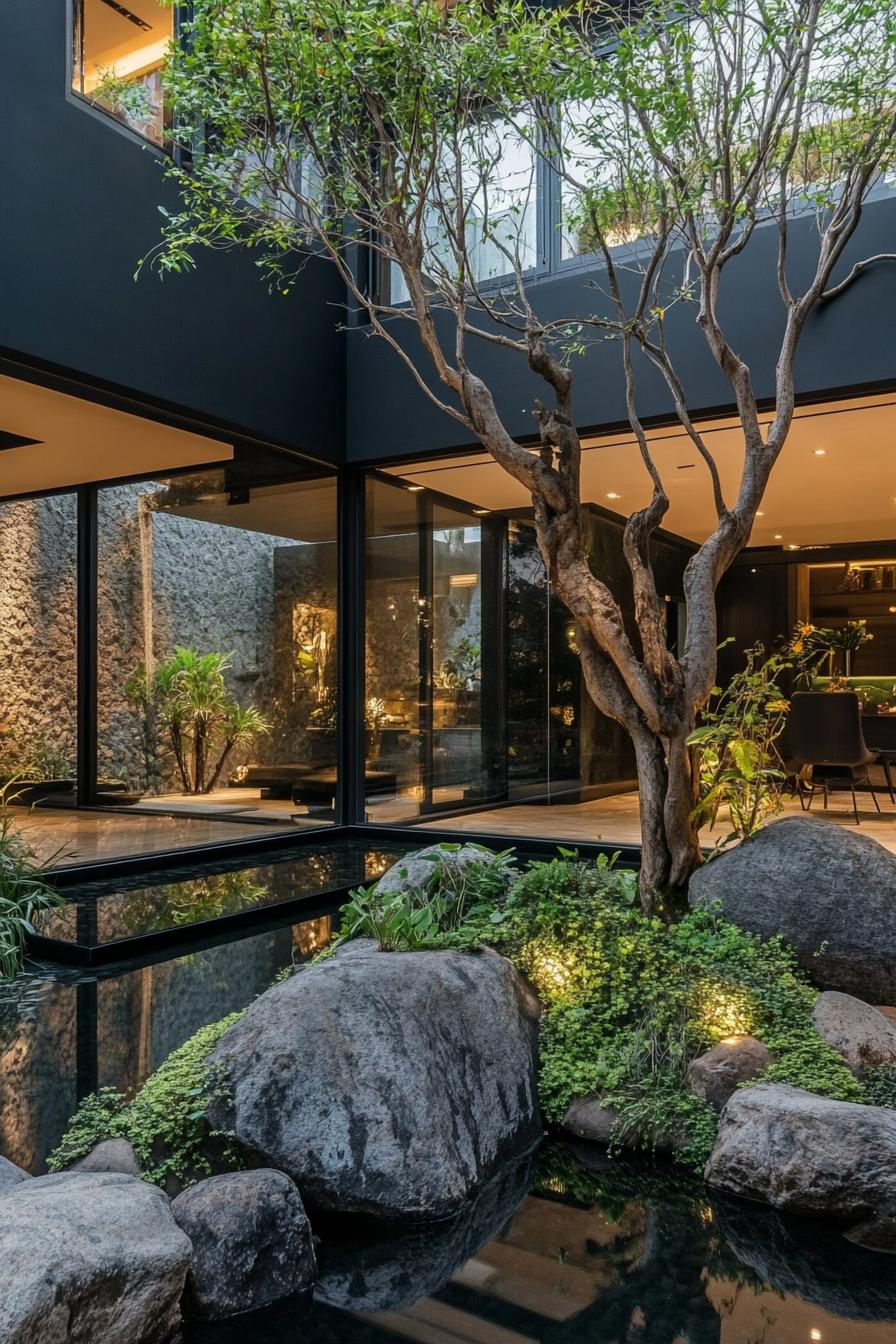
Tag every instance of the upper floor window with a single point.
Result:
(495, 193)
(119, 49)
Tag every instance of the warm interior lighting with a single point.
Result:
(414, 489)
(611, 494)
(820, 452)
(792, 547)
(463, 580)
(778, 536)
(815, 1334)
(482, 512)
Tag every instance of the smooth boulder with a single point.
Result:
(805, 1154)
(252, 1242)
(716, 1075)
(87, 1257)
(415, 871)
(863, 1036)
(11, 1175)
(828, 891)
(386, 1083)
(110, 1155)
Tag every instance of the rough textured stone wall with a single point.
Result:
(38, 623)
(164, 580)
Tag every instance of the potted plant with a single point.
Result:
(33, 770)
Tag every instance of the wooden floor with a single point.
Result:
(615, 821)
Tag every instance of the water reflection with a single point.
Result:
(64, 1035)
(580, 1249)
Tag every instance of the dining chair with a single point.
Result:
(825, 730)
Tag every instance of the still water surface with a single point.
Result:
(569, 1247)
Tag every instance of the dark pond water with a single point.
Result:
(569, 1247)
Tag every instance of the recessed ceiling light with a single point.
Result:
(791, 547)
(819, 452)
(482, 512)
(759, 513)
(611, 494)
(414, 488)
(778, 536)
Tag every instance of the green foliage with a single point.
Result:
(188, 698)
(24, 894)
(447, 906)
(164, 1122)
(735, 757)
(184, 903)
(880, 1086)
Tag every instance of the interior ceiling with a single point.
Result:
(113, 39)
(75, 441)
(303, 511)
(835, 480)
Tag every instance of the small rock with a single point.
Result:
(11, 1175)
(588, 1118)
(716, 1075)
(861, 1034)
(252, 1242)
(804, 1154)
(88, 1257)
(110, 1155)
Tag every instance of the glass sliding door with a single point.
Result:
(218, 654)
(39, 649)
(434, 714)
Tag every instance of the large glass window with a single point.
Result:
(499, 176)
(217, 661)
(38, 649)
(118, 53)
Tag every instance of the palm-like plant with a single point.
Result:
(189, 698)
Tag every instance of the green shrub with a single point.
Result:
(630, 1000)
(452, 898)
(880, 1086)
(165, 1122)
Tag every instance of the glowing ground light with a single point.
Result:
(725, 1012)
(550, 971)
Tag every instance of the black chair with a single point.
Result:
(826, 735)
(880, 736)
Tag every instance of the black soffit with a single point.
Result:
(8, 440)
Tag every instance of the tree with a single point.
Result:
(384, 133)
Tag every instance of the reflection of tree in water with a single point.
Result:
(659, 1296)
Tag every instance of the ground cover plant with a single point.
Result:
(164, 1122)
(631, 998)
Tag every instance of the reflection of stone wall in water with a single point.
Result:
(37, 1073)
(38, 605)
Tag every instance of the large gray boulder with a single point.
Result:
(11, 1175)
(87, 1257)
(252, 1242)
(387, 1083)
(830, 892)
(414, 871)
(804, 1154)
(863, 1036)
